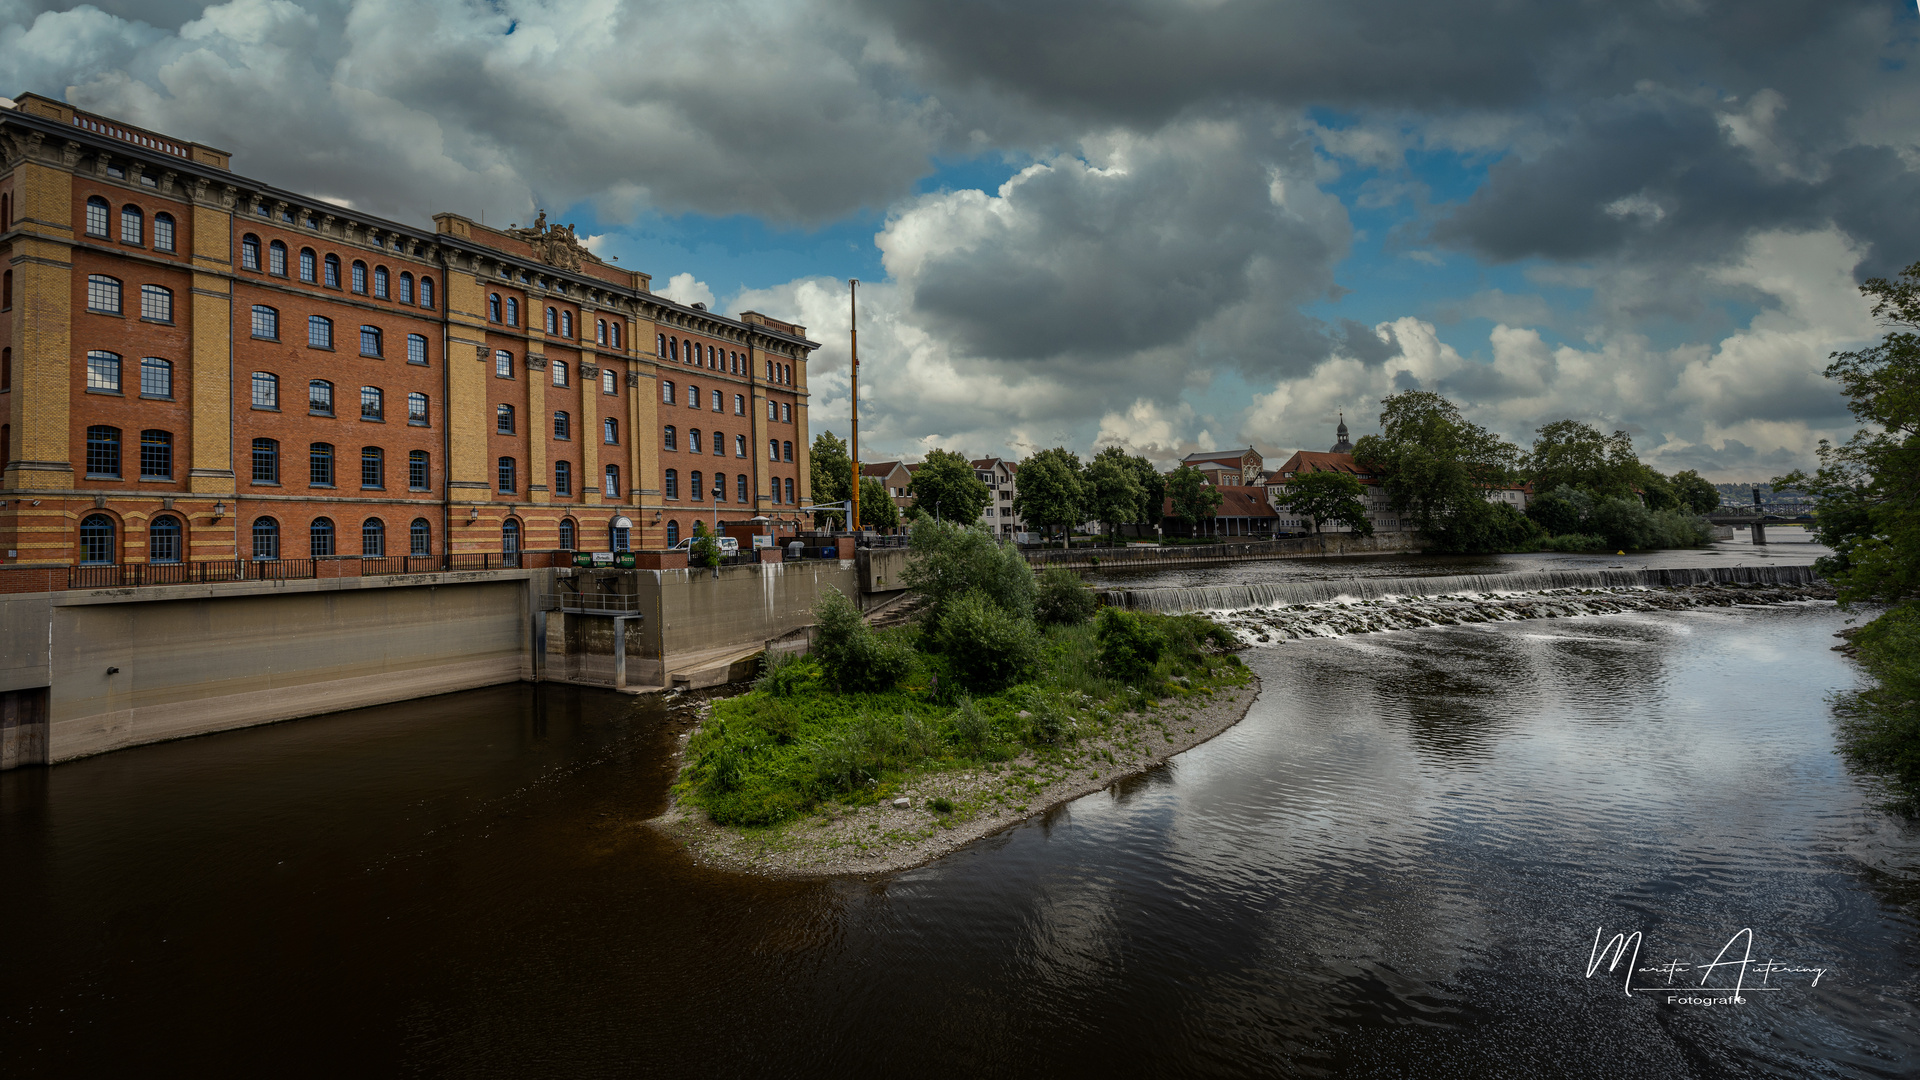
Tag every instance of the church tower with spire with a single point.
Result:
(1341, 445)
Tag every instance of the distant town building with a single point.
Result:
(1227, 468)
(1244, 511)
(998, 516)
(895, 476)
(1341, 445)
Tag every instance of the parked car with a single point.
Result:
(728, 545)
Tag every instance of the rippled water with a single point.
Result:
(1394, 866)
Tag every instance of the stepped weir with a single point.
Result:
(1358, 590)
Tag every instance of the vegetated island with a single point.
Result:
(885, 749)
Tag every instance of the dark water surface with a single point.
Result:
(1394, 867)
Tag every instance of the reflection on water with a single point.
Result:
(1394, 866)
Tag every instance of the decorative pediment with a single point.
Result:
(555, 245)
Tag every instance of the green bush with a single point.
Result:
(1879, 727)
(986, 647)
(1129, 645)
(705, 550)
(1574, 543)
(940, 805)
(1048, 723)
(784, 675)
(1062, 599)
(948, 561)
(851, 655)
(969, 729)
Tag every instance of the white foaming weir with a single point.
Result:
(1321, 591)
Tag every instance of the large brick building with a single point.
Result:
(199, 366)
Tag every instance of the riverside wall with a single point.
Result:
(1148, 558)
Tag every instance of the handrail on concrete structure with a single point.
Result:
(622, 604)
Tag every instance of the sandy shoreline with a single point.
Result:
(836, 841)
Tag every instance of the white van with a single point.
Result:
(728, 545)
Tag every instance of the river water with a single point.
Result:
(1395, 866)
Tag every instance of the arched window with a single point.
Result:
(789, 484)
(380, 282)
(103, 294)
(610, 431)
(609, 381)
(510, 537)
(249, 252)
(513, 311)
(370, 341)
(103, 452)
(266, 538)
(156, 454)
(673, 533)
(666, 391)
(133, 225)
(96, 539)
(568, 534)
(277, 259)
(503, 419)
(502, 364)
(773, 449)
(373, 403)
(333, 271)
(719, 487)
(99, 213)
(563, 478)
(266, 390)
(420, 537)
(426, 292)
(320, 538)
(266, 461)
(6, 211)
(373, 467)
(373, 537)
(560, 377)
(612, 490)
(156, 377)
(739, 446)
(416, 348)
(672, 487)
(308, 264)
(719, 444)
(103, 371)
(693, 396)
(163, 232)
(673, 348)
(786, 412)
(693, 440)
(320, 397)
(406, 289)
(509, 480)
(165, 539)
(319, 332)
(6, 377)
(600, 331)
(740, 488)
(419, 471)
(786, 451)
(553, 320)
(320, 465)
(695, 490)
(493, 307)
(417, 408)
(359, 277)
(562, 425)
(671, 438)
(156, 303)
(660, 344)
(6, 289)
(619, 537)
(566, 324)
(266, 323)
(739, 404)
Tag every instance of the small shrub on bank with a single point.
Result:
(970, 730)
(1575, 543)
(783, 676)
(948, 561)
(986, 648)
(1062, 599)
(851, 654)
(1129, 647)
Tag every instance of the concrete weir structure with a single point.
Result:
(87, 671)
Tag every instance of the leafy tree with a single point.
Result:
(1437, 468)
(1576, 454)
(1114, 493)
(1062, 599)
(1051, 491)
(1153, 490)
(986, 647)
(832, 475)
(1130, 646)
(1328, 496)
(1562, 511)
(947, 560)
(877, 508)
(946, 486)
(705, 550)
(851, 654)
(1694, 492)
(1194, 500)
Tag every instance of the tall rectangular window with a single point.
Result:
(562, 426)
(319, 332)
(507, 478)
(372, 404)
(266, 322)
(103, 451)
(562, 478)
(502, 364)
(560, 373)
(416, 348)
(610, 431)
(266, 390)
(608, 381)
(162, 232)
(370, 341)
(719, 402)
(320, 464)
(373, 467)
(103, 371)
(98, 216)
(417, 408)
(419, 471)
(156, 455)
(320, 397)
(156, 378)
(266, 461)
(156, 303)
(360, 278)
(132, 225)
(307, 264)
(612, 489)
